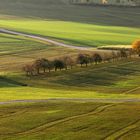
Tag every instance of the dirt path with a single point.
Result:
(37, 37)
(71, 100)
(48, 40)
(129, 91)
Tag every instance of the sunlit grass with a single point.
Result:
(75, 33)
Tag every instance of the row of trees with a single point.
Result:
(44, 65)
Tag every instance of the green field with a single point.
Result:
(108, 80)
(55, 120)
(20, 51)
(62, 10)
(75, 33)
(82, 25)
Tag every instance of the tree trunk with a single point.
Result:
(38, 71)
(44, 70)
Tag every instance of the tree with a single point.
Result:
(50, 65)
(58, 64)
(123, 53)
(44, 63)
(29, 69)
(97, 58)
(118, 55)
(136, 46)
(68, 61)
(38, 65)
(131, 52)
(83, 59)
(114, 55)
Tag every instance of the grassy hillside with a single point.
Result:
(63, 10)
(69, 120)
(75, 33)
(102, 81)
(73, 24)
(15, 51)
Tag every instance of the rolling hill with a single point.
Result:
(64, 11)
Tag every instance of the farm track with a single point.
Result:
(71, 100)
(57, 122)
(51, 41)
(120, 133)
(134, 89)
(12, 114)
(45, 39)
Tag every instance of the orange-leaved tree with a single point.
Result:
(136, 46)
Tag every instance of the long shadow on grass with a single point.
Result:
(6, 82)
(105, 77)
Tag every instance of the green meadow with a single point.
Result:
(69, 121)
(73, 24)
(75, 33)
(106, 80)
(63, 10)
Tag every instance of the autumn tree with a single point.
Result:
(38, 65)
(29, 69)
(68, 61)
(136, 46)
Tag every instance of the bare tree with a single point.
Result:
(123, 53)
(29, 69)
(38, 65)
(68, 61)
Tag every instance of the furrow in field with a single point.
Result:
(51, 124)
(118, 134)
(12, 114)
(134, 89)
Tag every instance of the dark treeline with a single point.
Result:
(44, 65)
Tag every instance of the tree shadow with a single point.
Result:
(6, 82)
(107, 77)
